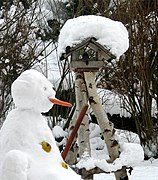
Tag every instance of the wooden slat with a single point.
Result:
(82, 65)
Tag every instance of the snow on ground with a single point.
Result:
(131, 152)
(111, 34)
(146, 170)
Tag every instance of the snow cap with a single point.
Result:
(31, 90)
(111, 34)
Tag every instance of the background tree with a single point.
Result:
(21, 46)
(135, 75)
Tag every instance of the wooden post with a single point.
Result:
(105, 126)
(81, 100)
(83, 133)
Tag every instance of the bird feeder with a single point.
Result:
(89, 55)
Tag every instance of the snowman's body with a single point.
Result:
(21, 154)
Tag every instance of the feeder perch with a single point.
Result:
(89, 55)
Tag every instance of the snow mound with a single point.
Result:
(111, 34)
(130, 156)
(58, 132)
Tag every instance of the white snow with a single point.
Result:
(130, 147)
(58, 132)
(131, 153)
(111, 34)
(126, 136)
(26, 97)
(98, 147)
(113, 103)
(146, 170)
(22, 156)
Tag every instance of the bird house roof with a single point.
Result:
(91, 43)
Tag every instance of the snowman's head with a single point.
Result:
(31, 90)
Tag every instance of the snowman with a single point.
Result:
(28, 150)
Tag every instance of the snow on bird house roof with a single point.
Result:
(110, 34)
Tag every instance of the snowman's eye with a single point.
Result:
(44, 88)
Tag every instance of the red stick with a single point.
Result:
(74, 131)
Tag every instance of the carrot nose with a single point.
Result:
(59, 102)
